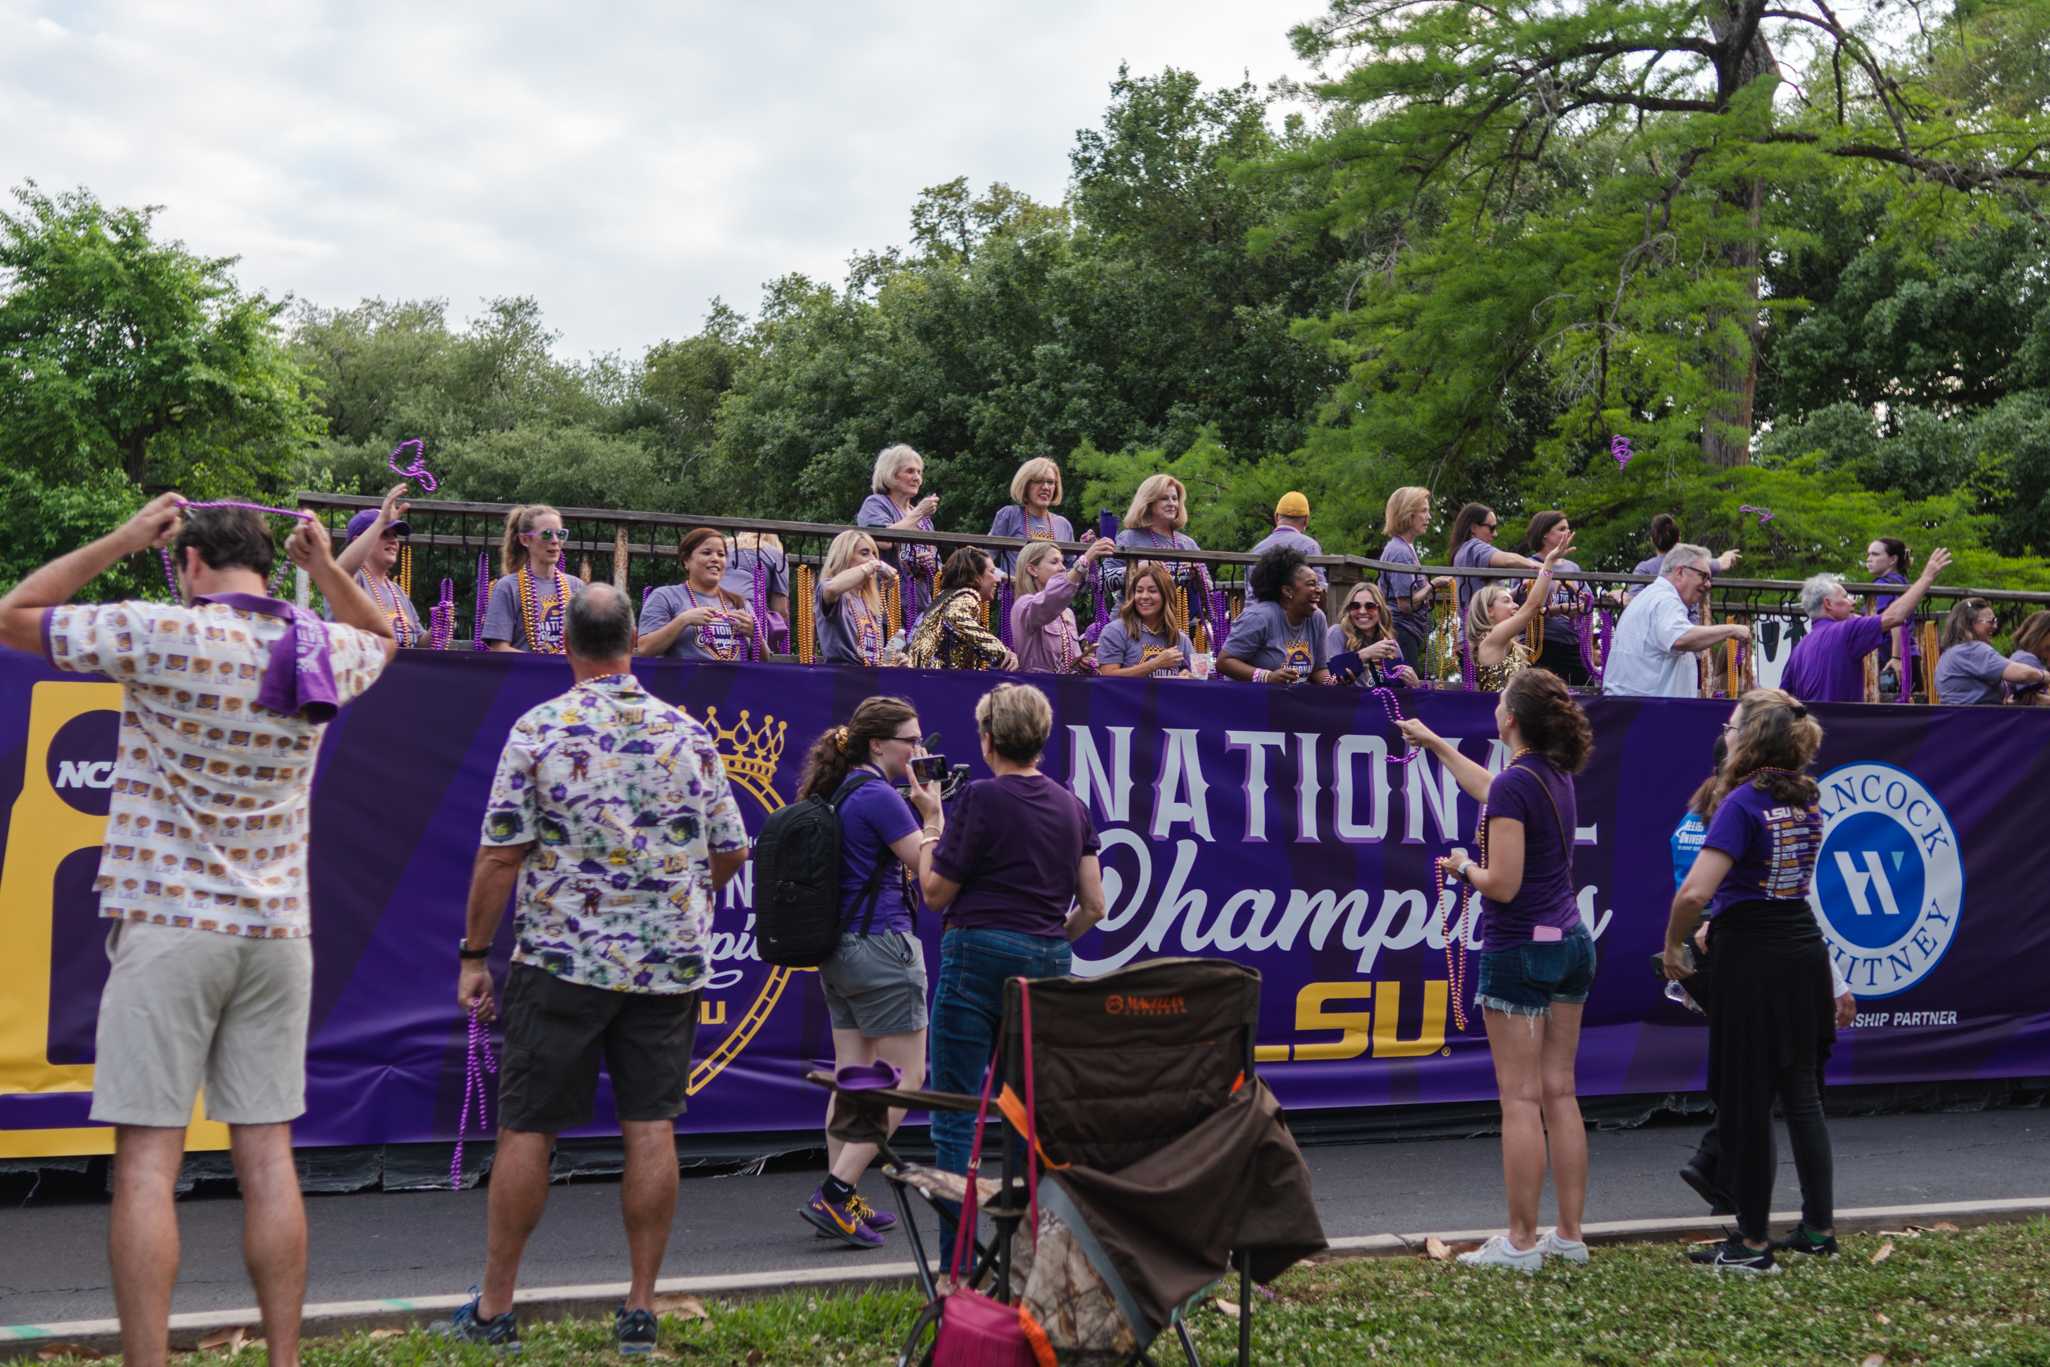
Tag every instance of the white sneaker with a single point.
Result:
(1499, 1252)
(1552, 1246)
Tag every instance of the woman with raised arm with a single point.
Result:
(699, 619)
(1363, 630)
(375, 538)
(1560, 651)
(1030, 515)
(1141, 640)
(1042, 624)
(1970, 670)
(894, 502)
(853, 627)
(952, 635)
(1772, 1015)
(527, 606)
(1537, 958)
(1495, 624)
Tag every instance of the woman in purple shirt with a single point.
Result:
(1772, 1016)
(699, 619)
(1473, 548)
(1406, 518)
(1537, 959)
(894, 503)
(1015, 879)
(874, 980)
(1042, 625)
(1970, 670)
(1030, 514)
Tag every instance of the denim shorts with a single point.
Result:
(876, 984)
(1526, 979)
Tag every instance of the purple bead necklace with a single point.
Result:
(481, 1061)
(483, 591)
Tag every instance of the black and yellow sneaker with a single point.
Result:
(1806, 1240)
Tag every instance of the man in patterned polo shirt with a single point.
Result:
(224, 701)
(611, 818)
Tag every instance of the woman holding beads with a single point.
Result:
(1495, 624)
(1154, 522)
(1042, 623)
(527, 605)
(1142, 640)
(894, 503)
(1537, 958)
(952, 635)
(376, 536)
(1970, 670)
(1280, 638)
(1030, 515)
(874, 980)
(699, 619)
(1363, 629)
(853, 627)
(1772, 1015)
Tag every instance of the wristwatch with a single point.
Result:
(463, 950)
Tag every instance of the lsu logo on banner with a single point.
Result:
(1890, 882)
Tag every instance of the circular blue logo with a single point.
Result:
(1889, 882)
(81, 760)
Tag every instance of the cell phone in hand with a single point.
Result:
(1107, 525)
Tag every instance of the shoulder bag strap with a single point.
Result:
(872, 889)
(1565, 836)
(964, 1229)
(1031, 1109)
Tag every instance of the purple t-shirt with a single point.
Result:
(1772, 845)
(1013, 843)
(1473, 554)
(729, 640)
(1970, 673)
(1285, 535)
(504, 620)
(1263, 638)
(1400, 588)
(840, 626)
(739, 579)
(874, 817)
(1828, 664)
(1011, 520)
(1117, 646)
(1534, 791)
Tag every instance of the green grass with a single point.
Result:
(1982, 1295)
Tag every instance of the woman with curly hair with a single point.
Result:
(952, 635)
(1537, 958)
(1280, 637)
(1771, 1018)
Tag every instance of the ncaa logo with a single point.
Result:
(1890, 882)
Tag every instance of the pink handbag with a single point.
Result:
(978, 1330)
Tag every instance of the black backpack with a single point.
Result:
(797, 880)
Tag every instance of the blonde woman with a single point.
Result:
(1030, 515)
(848, 602)
(1142, 640)
(1495, 624)
(895, 503)
(1363, 629)
(1154, 522)
(526, 607)
(1406, 520)
(1042, 623)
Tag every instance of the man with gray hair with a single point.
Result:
(1652, 655)
(1828, 663)
(611, 818)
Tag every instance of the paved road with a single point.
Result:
(375, 1245)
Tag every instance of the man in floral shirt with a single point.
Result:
(612, 818)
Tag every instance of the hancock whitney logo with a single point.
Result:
(1890, 882)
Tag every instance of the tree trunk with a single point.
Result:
(1726, 435)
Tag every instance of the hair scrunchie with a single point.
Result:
(840, 734)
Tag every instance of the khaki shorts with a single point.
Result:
(186, 1008)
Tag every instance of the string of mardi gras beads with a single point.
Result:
(405, 568)
(483, 592)
(442, 618)
(722, 644)
(480, 1061)
(532, 616)
(1456, 918)
(802, 625)
(416, 470)
(277, 580)
(385, 594)
(1004, 599)
(758, 599)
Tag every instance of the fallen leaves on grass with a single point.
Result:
(1874, 1360)
(1230, 1308)
(1435, 1247)
(1883, 1252)
(68, 1350)
(231, 1340)
(683, 1307)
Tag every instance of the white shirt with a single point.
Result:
(1645, 661)
(208, 820)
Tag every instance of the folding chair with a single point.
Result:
(1164, 1157)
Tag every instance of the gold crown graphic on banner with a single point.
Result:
(752, 752)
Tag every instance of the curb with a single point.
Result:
(538, 1304)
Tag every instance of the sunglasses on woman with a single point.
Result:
(551, 534)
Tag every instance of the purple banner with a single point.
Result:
(1270, 826)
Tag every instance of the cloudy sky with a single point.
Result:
(621, 162)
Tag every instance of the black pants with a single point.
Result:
(1770, 1029)
(1563, 659)
(1414, 647)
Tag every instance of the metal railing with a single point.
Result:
(637, 551)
